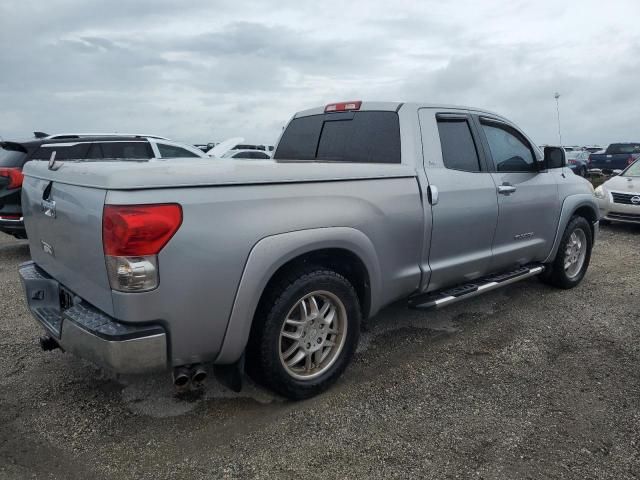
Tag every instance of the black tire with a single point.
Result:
(263, 353)
(555, 273)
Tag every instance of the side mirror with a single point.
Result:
(554, 157)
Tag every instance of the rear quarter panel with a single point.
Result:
(201, 267)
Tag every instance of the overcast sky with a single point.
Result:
(203, 71)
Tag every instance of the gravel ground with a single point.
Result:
(524, 382)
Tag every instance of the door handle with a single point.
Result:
(432, 194)
(506, 189)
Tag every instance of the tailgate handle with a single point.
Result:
(432, 194)
(506, 189)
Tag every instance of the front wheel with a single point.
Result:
(305, 333)
(574, 253)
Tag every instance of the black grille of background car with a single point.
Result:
(624, 198)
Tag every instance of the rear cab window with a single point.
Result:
(357, 137)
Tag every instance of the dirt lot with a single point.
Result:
(526, 382)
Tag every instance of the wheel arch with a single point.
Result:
(345, 250)
(582, 205)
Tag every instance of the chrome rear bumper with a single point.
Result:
(89, 333)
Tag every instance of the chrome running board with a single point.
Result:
(448, 296)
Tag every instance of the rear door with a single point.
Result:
(528, 200)
(462, 192)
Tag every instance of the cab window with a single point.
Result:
(172, 151)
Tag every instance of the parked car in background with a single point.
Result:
(577, 161)
(593, 148)
(274, 265)
(619, 197)
(617, 156)
(70, 146)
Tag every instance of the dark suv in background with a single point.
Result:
(13, 156)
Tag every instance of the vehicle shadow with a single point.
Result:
(17, 250)
(621, 227)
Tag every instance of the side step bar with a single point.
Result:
(462, 292)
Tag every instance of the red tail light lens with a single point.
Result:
(138, 230)
(343, 106)
(630, 160)
(14, 175)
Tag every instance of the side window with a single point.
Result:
(510, 152)
(127, 150)
(459, 150)
(171, 151)
(95, 152)
(64, 151)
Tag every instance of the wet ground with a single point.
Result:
(524, 382)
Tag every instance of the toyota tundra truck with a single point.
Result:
(270, 266)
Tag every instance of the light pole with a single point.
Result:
(557, 97)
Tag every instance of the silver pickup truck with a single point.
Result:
(270, 266)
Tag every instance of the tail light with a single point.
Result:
(589, 160)
(14, 175)
(631, 159)
(132, 237)
(343, 106)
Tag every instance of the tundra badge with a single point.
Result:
(49, 208)
(47, 248)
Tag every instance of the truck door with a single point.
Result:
(463, 200)
(528, 200)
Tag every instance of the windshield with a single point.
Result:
(622, 148)
(633, 170)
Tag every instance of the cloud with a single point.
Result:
(196, 71)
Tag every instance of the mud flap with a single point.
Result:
(230, 375)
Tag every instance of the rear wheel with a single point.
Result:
(305, 333)
(574, 253)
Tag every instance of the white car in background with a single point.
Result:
(229, 149)
(115, 145)
(619, 197)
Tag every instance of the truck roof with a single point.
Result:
(396, 106)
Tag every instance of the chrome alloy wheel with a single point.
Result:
(313, 335)
(575, 253)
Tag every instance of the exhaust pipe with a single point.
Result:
(47, 343)
(181, 377)
(198, 376)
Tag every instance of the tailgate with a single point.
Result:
(64, 227)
